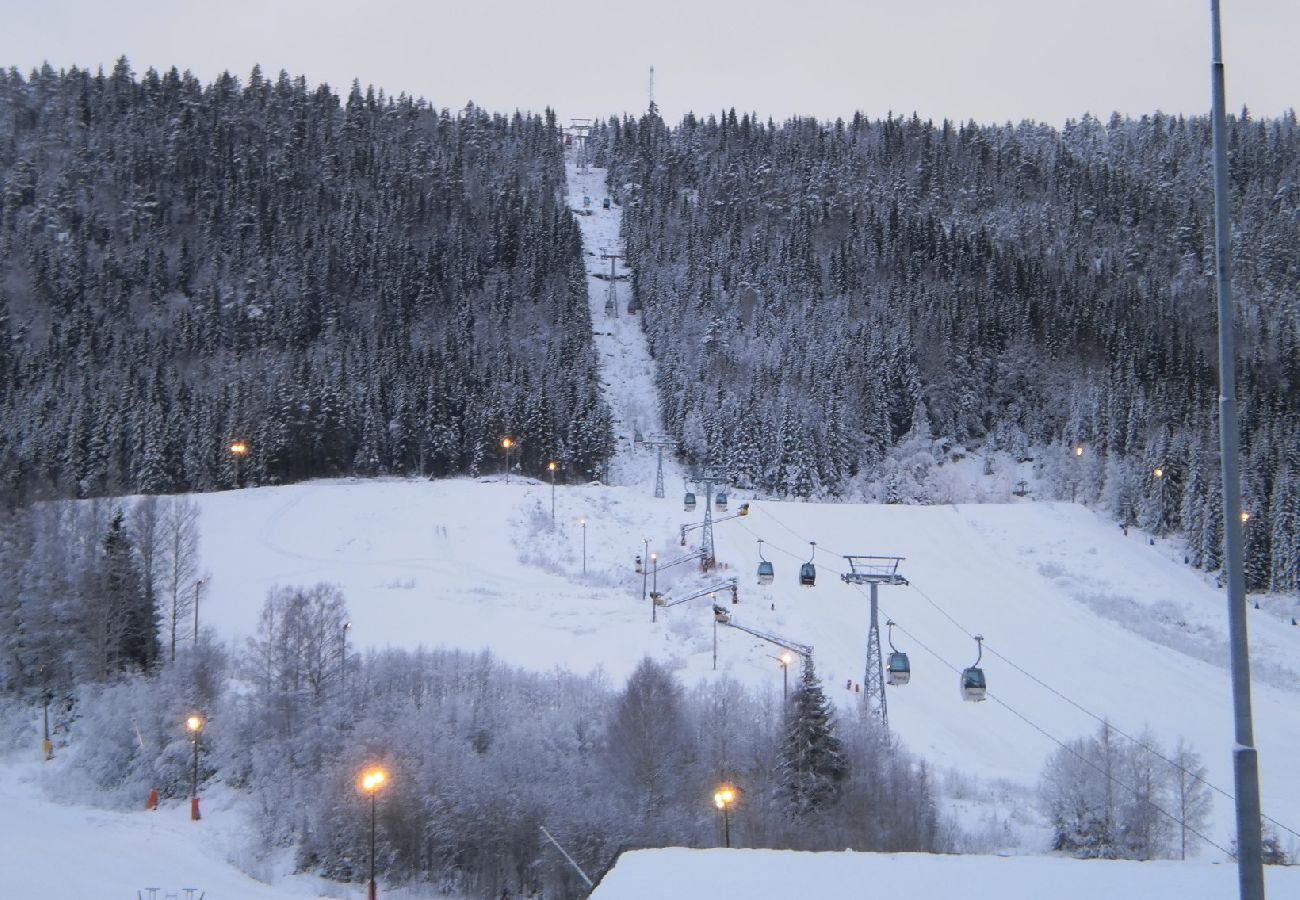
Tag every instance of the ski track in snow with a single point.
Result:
(627, 371)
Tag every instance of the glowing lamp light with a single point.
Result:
(372, 780)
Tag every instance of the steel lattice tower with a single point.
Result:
(874, 571)
(659, 443)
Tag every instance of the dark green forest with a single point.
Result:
(835, 307)
(352, 286)
(366, 285)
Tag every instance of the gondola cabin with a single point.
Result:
(640, 568)
(688, 502)
(899, 669)
(721, 615)
(766, 572)
(720, 502)
(973, 686)
(807, 574)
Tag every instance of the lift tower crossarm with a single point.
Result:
(805, 651)
(738, 514)
(728, 585)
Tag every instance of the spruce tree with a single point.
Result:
(813, 764)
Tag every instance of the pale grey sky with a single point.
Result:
(988, 60)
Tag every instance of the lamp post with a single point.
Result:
(551, 468)
(343, 659)
(723, 798)
(1074, 480)
(198, 584)
(785, 659)
(238, 449)
(583, 523)
(371, 781)
(506, 444)
(654, 587)
(195, 725)
(645, 565)
(47, 746)
(1159, 474)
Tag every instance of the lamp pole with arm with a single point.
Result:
(195, 725)
(371, 781)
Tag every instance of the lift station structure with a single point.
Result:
(874, 571)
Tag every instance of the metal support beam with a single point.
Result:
(874, 571)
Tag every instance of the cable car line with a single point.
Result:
(1066, 747)
(1049, 688)
(1101, 719)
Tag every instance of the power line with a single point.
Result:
(1054, 691)
(1066, 747)
(1083, 709)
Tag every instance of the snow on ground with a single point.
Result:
(1109, 621)
(56, 852)
(627, 369)
(1072, 610)
(783, 874)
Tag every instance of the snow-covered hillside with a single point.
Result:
(1073, 611)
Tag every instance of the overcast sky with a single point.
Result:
(988, 60)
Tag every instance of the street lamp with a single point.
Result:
(551, 468)
(784, 661)
(723, 798)
(506, 444)
(343, 660)
(238, 449)
(371, 781)
(644, 565)
(198, 584)
(654, 586)
(195, 725)
(1074, 480)
(583, 523)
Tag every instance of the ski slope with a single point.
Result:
(1109, 621)
(1072, 610)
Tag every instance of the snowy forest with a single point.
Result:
(356, 285)
(481, 753)
(835, 308)
(366, 285)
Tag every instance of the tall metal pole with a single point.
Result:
(659, 474)
(654, 589)
(709, 560)
(198, 584)
(373, 893)
(194, 789)
(584, 546)
(715, 643)
(1250, 867)
(785, 682)
(551, 466)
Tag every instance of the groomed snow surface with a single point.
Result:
(1065, 600)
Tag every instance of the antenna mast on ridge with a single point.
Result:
(654, 110)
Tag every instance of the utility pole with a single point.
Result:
(1250, 866)
(611, 295)
(874, 571)
(709, 478)
(659, 442)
